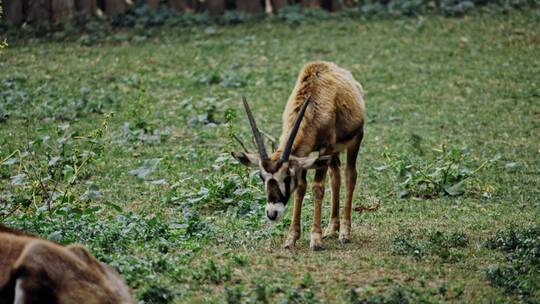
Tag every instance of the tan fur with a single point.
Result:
(335, 113)
(48, 270)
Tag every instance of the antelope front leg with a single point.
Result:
(295, 229)
(318, 191)
(335, 182)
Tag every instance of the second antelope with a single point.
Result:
(37, 271)
(324, 114)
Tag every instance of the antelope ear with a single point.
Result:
(313, 162)
(84, 255)
(246, 159)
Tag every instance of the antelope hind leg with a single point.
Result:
(350, 184)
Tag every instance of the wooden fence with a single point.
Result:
(19, 11)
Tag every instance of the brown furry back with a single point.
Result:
(335, 115)
(5, 229)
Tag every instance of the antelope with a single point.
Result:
(324, 114)
(33, 270)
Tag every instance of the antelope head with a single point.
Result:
(282, 172)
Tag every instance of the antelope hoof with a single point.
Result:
(289, 244)
(344, 239)
(331, 230)
(316, 247)
(316, 242)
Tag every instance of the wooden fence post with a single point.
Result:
(311, 3)
(154, 4)
(13, 11)
(214, 7)
(335, 5)
(182, 5)
(39, 10)
(278, 4)
(86, 6)
(115, 7)
(62, 9)
(249, 6)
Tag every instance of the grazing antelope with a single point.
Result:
(324, 113)
(34, 270)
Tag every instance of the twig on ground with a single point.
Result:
(361, 208)
(240, 142)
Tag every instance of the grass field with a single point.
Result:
(152, 190)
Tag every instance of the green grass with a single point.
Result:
(192, 229)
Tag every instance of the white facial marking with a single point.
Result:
(277, 207)
(19, 293)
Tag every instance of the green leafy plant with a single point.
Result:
(441, 244)
(213, 273)
(47, 171)
(233, 295)
(406, 7)
(141, 15)
(46, 102)
(228, 186)
(455, 7)
(398, 293)
(156, 294)
(295, 14)
(447, 174)
(521, 273)
(236, 17)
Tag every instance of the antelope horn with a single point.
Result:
(256, 133)
(288, 147)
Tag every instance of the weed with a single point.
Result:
(47, 171)
(213, 273)
(406, 7)
(521, 274)
(233, 295)
(448, 174)
(295, 14)
(261, 294)
(148, 166)
(156, 294)
(304, 293)
(443, 245)
(456, 7)
(227, 187)
(45, 101)
(400, 293)
(142, 134)
(236, 17)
